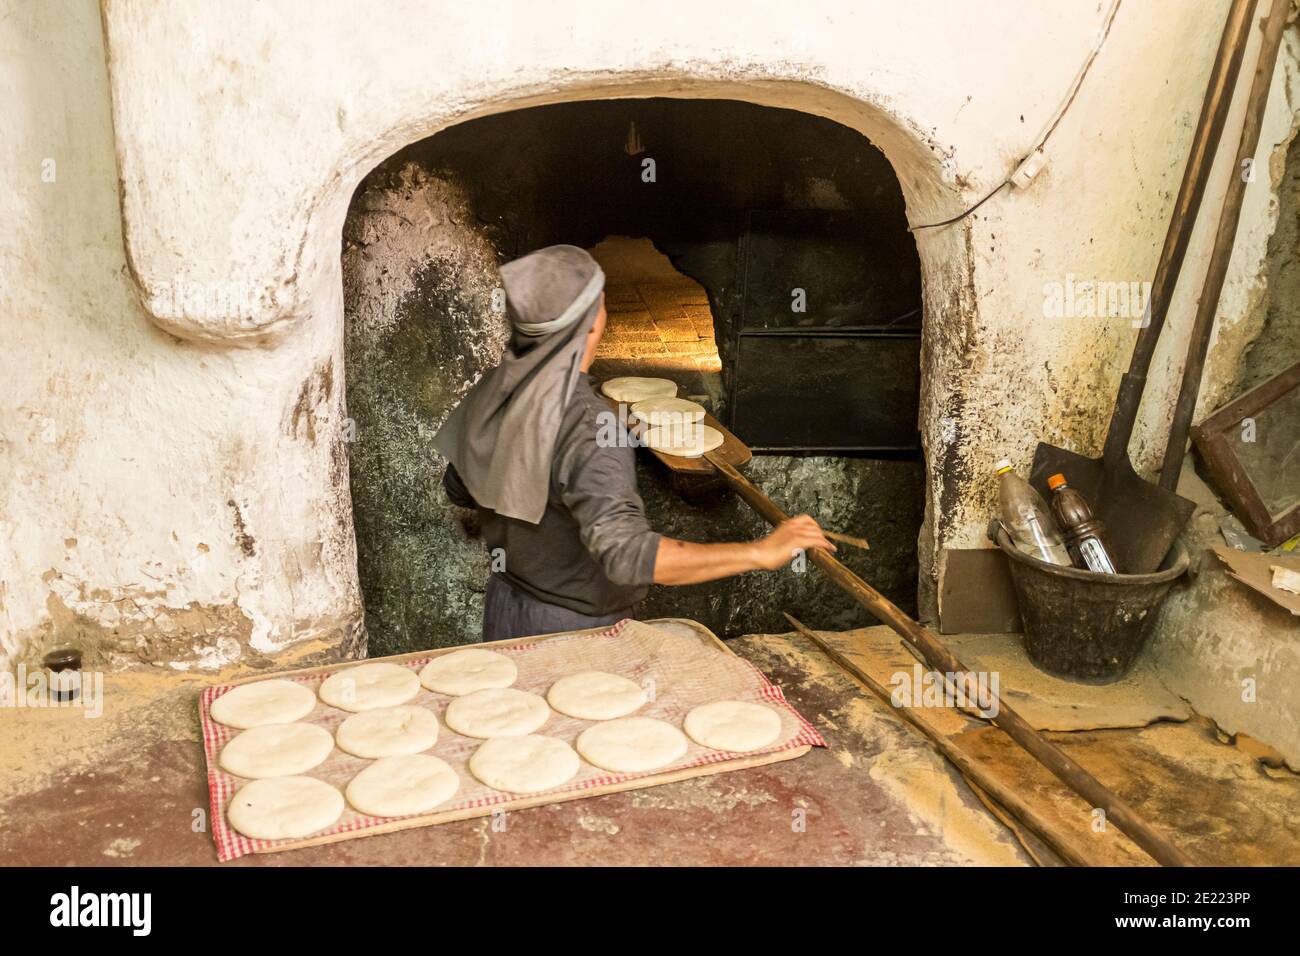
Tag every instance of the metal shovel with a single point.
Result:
(1143, 519)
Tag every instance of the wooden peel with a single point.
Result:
(941, 659)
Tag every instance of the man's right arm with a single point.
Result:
(686, 562)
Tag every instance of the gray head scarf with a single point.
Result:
(502, 435)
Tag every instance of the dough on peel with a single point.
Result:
(595, 695)
(367, 686)
(276, 750)
(388, 732)
(496, 712)
(284, 808)
(732, 725)
(632, 388)
(401, 786)
(263, 702)
(463, 672)
(528, 764)
(687, 441)
(668, 411)
(632, 744)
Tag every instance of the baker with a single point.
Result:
(559, 509)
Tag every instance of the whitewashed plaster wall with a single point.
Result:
(161, 500)
(173, 418)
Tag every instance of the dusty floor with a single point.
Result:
(1221, 800)
(129, 788)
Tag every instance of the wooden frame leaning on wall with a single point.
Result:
(1218, 442)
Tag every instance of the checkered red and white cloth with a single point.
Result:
(680, 668)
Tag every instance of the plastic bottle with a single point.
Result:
(1027, 519)
(1085, 535)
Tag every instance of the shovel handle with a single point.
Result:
(1198, 343)
(1205, 144)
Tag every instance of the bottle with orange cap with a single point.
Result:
(1085, 534)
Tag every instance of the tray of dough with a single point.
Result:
(307, 757)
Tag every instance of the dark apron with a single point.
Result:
(510, 612)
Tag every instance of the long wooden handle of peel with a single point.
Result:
(941, 659)
(975, 770)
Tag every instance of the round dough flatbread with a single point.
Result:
(276, 750)
(632, 744)
(402, 786)
(368, 686)
(463, 672)
(496, 712)
(595, 695)
(284, 808)
(732, 725)
(668, 411)
(689, 441)
(632, 388)
(528, 764)
(263, 702)
(388, 732)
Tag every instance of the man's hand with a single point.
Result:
(796, 534)
(685, 562)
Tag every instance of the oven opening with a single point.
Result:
(758, 257)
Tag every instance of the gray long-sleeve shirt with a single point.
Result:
(593, 551)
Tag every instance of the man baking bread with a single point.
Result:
(558, 505)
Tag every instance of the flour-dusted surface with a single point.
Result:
(684, 667)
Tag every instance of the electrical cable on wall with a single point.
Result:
(1034, 159)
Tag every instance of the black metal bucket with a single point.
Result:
(1081, 625)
